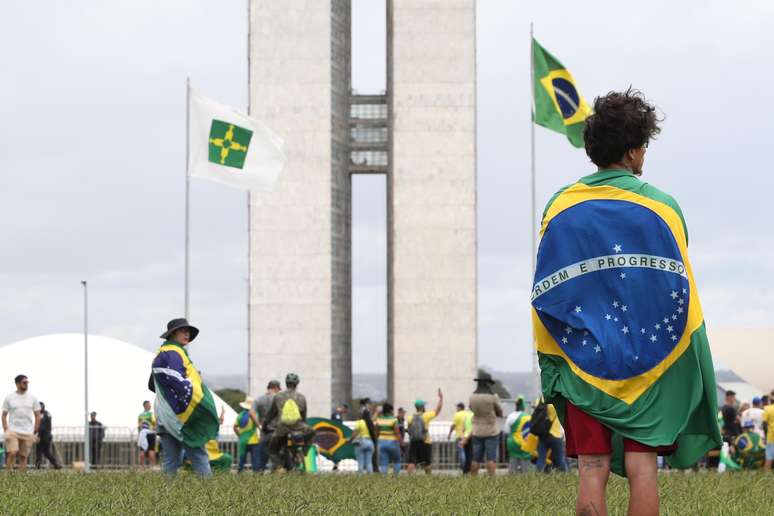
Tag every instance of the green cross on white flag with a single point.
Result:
(229, 147)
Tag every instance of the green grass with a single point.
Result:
(152, 493)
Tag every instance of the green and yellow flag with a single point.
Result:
(559, 105)
(331, 439)
(618, 323)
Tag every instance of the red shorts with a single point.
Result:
(587, 436)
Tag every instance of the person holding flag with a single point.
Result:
(248, 434)
(185, 409)
(618, 324)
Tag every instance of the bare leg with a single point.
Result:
(9, 461)
(491, 467)
(642, 472)
(593, 472)
(429, 469)
(474, 466)
(411, 468)
(22, 463)
(152, 457)
(767, 465)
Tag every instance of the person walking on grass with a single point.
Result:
(146, 436)
(185, 408)
(619, 330)
(21, 423)
(486, 408)
(457, 428)
(420, 442)
(389, 439)
(259, 413)
(45, 446)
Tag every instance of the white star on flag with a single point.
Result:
(615, 319)
(584, 342)
(670, 329)
(615, 304)
(642, 330)
(617, 248)
(607, 316)
(653, 338)
(679, 309)
(564, 340)
(568, 330)
(623, 275)
(681, 301)
(625, 330)
(666, 320)
(624, 308)
(658, 326)
(685, 291)
(578, 309)
(674, 317)
(674, 337)
(674, 294)
(597, 348)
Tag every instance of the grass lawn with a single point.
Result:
(152, 493)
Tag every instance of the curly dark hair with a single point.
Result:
(621, 121)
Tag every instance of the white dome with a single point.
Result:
(118, 378)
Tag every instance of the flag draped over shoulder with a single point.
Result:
(618, 324)
(184, 405)
(559, 105)
(231, 148)
(331, 439)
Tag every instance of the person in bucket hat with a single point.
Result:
(185, 408)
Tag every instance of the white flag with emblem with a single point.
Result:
(227, 146)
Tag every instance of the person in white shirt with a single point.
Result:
(755, 415)
(21, 421)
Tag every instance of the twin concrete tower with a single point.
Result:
(421, 134)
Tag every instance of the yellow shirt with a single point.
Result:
(459, 423)
(362, 429)
(427, 416)
(768, 418)
(556, 426)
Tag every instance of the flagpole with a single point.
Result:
(249, 217)
(533, 224)
(186, 310)
(86, 443)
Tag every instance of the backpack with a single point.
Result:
(290, 413)
(416, 430)
(540, 423)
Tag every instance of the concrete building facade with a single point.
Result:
(421, 134)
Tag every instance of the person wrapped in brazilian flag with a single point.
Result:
(185, 408)
(618, 325)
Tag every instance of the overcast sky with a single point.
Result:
(93, 139)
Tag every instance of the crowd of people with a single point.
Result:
(748, 430)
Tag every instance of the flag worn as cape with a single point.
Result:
(247, 432)
(559, 105)
(520, 442)
(331, 439)
(617, 320)
(230, 147)
(184, 405)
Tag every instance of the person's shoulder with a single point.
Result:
(555, 197)
(430, 414)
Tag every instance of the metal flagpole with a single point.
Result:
(533, 224)
(249, 216)
(186, 310)
(86, 444)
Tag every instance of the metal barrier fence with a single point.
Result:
(119, 449)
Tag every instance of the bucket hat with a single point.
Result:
(176, 324)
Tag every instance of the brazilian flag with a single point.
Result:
(618, 324)
(559, 105)
(331, 439)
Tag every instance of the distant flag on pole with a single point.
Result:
(230, 147)
(559, 105)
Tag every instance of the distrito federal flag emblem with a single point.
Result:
(229, 144)
(230, 147)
